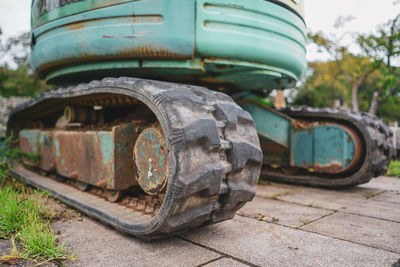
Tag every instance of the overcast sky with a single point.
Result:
(320, 15)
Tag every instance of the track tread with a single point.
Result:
(199, 124)
(377, 138)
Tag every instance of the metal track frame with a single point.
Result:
(377, 144)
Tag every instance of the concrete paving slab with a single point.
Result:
(377, 209)
(99, 245)
(299, 194)
(268, 244)
(274, 190)
(363, 230)
(383, 183)
(225, 262)
(389, 196)
(282, 212)
(358, 201)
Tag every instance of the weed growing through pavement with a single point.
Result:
(23, 220)
(280, 194)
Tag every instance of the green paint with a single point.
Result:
(40, 15)
(270, 124)
(107, 148)
(57, 147)
(323, 145)
(249, 45)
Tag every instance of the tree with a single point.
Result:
(354, 68)
(357, 68)
(20, 81)
(384, 46)
(17, 49)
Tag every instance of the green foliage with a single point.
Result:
(15, 212)
(390, 110)
(20, 82)
(39, 241)
(394, 168)
(22, 218)
(366, 76)
(320, 96)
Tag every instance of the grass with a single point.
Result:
(394, 168)
(23, 220)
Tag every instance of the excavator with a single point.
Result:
(159, 122)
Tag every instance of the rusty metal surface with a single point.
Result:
(124, 167)
(359, 150)
(47, 159)
(151, 159)
(100, 158)
(79, 156)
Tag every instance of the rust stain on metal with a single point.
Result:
(24, 145)
(273, 148)
(151, 51)
(124, 167)
(151, 159)
(147, 18)
(101, 183)
(331, 168)
(84, 156)
(47, 155)
(75, 26)
(358, 148)
(136, 53)
(302, 125)
(73, 175)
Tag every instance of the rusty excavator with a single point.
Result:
(160, 123)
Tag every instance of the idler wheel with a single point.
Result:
(151, 159)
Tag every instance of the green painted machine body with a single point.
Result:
(244, 44)
(328, 147)
(234, 45)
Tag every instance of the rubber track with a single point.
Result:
(378, 147)
(215, 156)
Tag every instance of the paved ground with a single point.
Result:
(284, 226)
